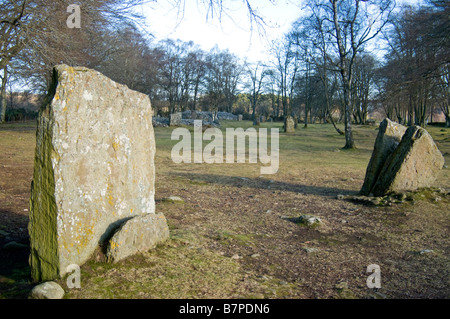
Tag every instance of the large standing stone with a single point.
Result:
(94, 168)
(289, 125)
(138, 234)
(388, 138)
(414, 164)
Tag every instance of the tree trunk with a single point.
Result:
(3, 95)
(349, 142)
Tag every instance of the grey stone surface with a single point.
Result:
(94, 168)
(47, 290)
(414, 164)
(173, 199)
(309, 220)
(388, 138)
(289, 125)
(175, 119)
(138, 234)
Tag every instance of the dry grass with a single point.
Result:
(232, 238)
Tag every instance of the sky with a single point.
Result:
(166, 20)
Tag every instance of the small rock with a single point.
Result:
(378, 295)
(376, 201)
(311, 250)
(341, 286)
(340, 196)
(254, 255)
(173, 199)
(343, 221)
(425, 251)
(47, 290)
(236, 256)
(309, 220)
(268, 211)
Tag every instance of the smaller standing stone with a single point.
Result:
(240, 117)
(47, 290)
(138, 234)
(175, 119)
(389, 136)
(289, 125)
(414, 164)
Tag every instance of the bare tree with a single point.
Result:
(37, 29)
(350, 24)
(256, 74)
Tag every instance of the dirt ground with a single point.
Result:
(236, 236)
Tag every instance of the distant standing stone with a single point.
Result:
(175, 119)
(289, 125)
(47, 290)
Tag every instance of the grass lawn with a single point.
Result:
(233, 236)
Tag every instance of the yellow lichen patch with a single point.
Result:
(115, 146)
(113, 244)
(111, 200)
(109, 195)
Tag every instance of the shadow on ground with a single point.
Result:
(15, 276)
(263, 183)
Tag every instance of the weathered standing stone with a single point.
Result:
(414, 164)
(138, 234)
(94, 168)
(388, 138)
(240, 117)
(289, 125)
(175, 119)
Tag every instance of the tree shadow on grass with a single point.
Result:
(263, 183)
(15, 274)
